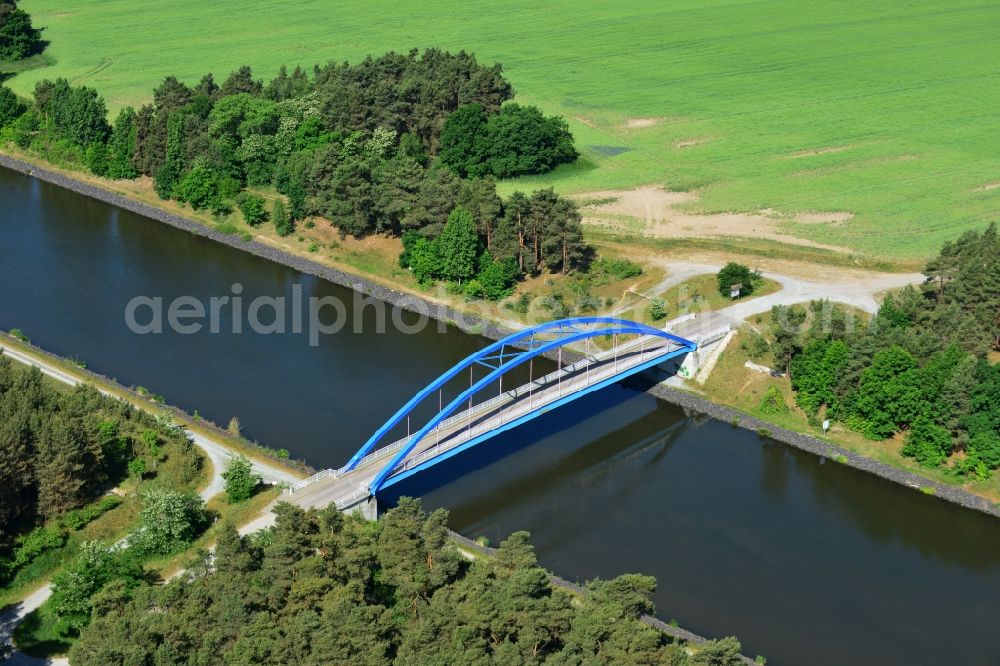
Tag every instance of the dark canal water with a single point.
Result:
(808, 563)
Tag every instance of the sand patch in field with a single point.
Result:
(835, 219)
(989, 186)
(653, 211)
(641, 123)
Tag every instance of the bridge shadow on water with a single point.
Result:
(570, 441)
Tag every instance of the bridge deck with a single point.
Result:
(348, 488)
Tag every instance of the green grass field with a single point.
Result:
(886, 110)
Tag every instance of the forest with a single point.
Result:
(920, 370)
(403, 144)
(320, 587)
(60, 452)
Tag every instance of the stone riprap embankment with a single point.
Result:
(474, 324)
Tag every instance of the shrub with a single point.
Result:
(74, 588)
(497, 278)
(753, 344)
(78, 519)
(252, 207)
(473, 289)
(36, 542)
(559, 308)
(283, 224)
(10, 107)
(606, 270)
(587, 302)
(137, 468)
(928, 443)
(200, 188)
(96, 158)
(985, 447)
(773, 402)
(657, 309)
(168, 522)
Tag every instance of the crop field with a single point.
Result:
(870, 126)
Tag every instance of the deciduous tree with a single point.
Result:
(241, 480)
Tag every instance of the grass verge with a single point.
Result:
(148, 402)
(734, 385)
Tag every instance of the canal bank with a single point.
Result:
(734, 526)
(475, 325)
(218, 449)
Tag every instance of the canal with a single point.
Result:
(807, 561)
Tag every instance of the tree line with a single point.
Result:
(321, 587)
(919, 369)
(60, 451)
(370, 147)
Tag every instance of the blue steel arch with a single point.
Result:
(566, 331)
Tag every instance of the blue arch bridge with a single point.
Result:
(605, 350)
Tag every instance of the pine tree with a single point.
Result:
(60, 467)
(15, 469)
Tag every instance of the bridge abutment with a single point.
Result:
(367, 506)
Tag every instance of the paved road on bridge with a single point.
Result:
(485, 417)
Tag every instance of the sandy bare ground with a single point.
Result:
(654, 211)
(641, 123)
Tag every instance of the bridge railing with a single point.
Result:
(465, 435)
(378, 453)
(532, 386)
(678, 320)
(713, 335)
(354, 496)
(541, 384)
(305, 483)
(545, 380)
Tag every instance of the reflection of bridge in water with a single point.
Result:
(463, 423)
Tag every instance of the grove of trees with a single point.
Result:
(323, 588)
(18, 37)
(920, 370)
(375, 147)
(60, 451)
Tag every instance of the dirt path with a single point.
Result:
(854, 288)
